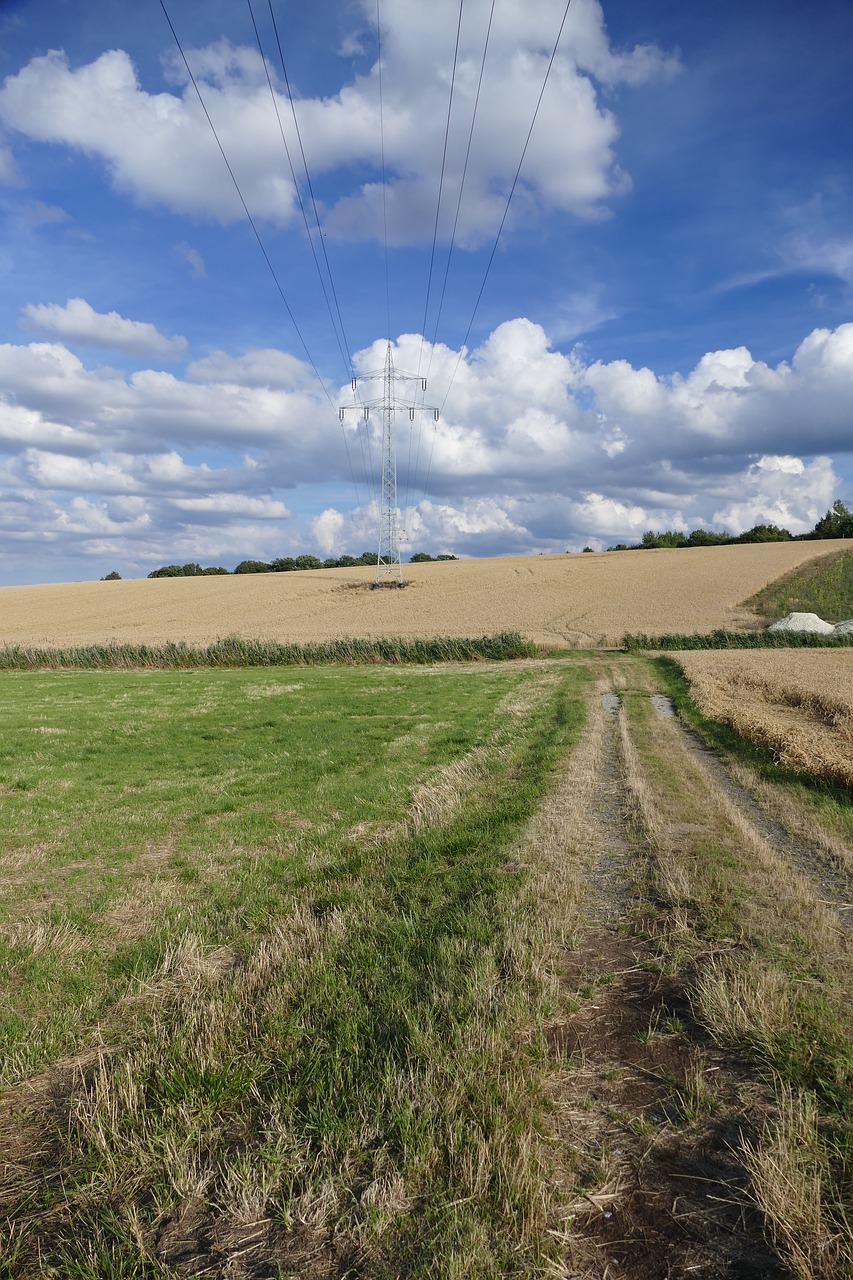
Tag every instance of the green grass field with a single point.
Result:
(291, 981)
(272, 928)
(824, 587)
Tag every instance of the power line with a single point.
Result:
(338, 328)
(344, 357)
(455, 220)
(410, 480)
(257, 235)
(509, 197)
(382, 152)
(501, 226)
(320, 235)
(441, 175)
(462, 182)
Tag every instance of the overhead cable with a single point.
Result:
(441, 175)
(410, 479)
(382, 157)
(456, 222)
(297, 191)
(501, 226)
(462, 181)
(511, 194)
(338, 326)
(316, 211)
(257, 235)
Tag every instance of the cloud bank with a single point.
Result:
(535, 450)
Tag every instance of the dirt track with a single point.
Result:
(656, 1113)
(569, 600)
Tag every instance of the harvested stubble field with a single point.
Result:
(799, 704)
(563, 601)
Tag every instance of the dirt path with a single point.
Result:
(653, 1115)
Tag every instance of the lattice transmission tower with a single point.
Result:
(389, 570)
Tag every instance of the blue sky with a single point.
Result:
(665, 337)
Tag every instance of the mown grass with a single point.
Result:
(291, 915)
(824, 587)
(719, 639)
(234, 651)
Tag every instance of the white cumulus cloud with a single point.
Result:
(79, 322)
(159, 149)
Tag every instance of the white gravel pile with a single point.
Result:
(844, 628)
(803, 622)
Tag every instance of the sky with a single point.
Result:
(214, 216)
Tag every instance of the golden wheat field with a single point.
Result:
(797, 702)
(568, 600)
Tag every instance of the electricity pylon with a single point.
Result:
(389, 570)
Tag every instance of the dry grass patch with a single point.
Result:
(790, 1171)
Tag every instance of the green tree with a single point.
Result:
(111, 577)
(308, 562)
(765, 533)
(420, 557)
(168, 571)
(252, 566)
(669, 538)
(705, 538)
(837, 523)
(214, 569)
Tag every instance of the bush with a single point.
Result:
(111, 577)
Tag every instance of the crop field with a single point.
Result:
(562, 601)
(799, 704)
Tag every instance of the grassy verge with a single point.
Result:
(642, 643)
(824, 587)
(768, 972)
(234, 651)
(301, 962)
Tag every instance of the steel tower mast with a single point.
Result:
(389, 570)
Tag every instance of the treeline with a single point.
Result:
(284, 564)
(837, 523)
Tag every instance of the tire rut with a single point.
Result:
(650, 1114)
(832, 886)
